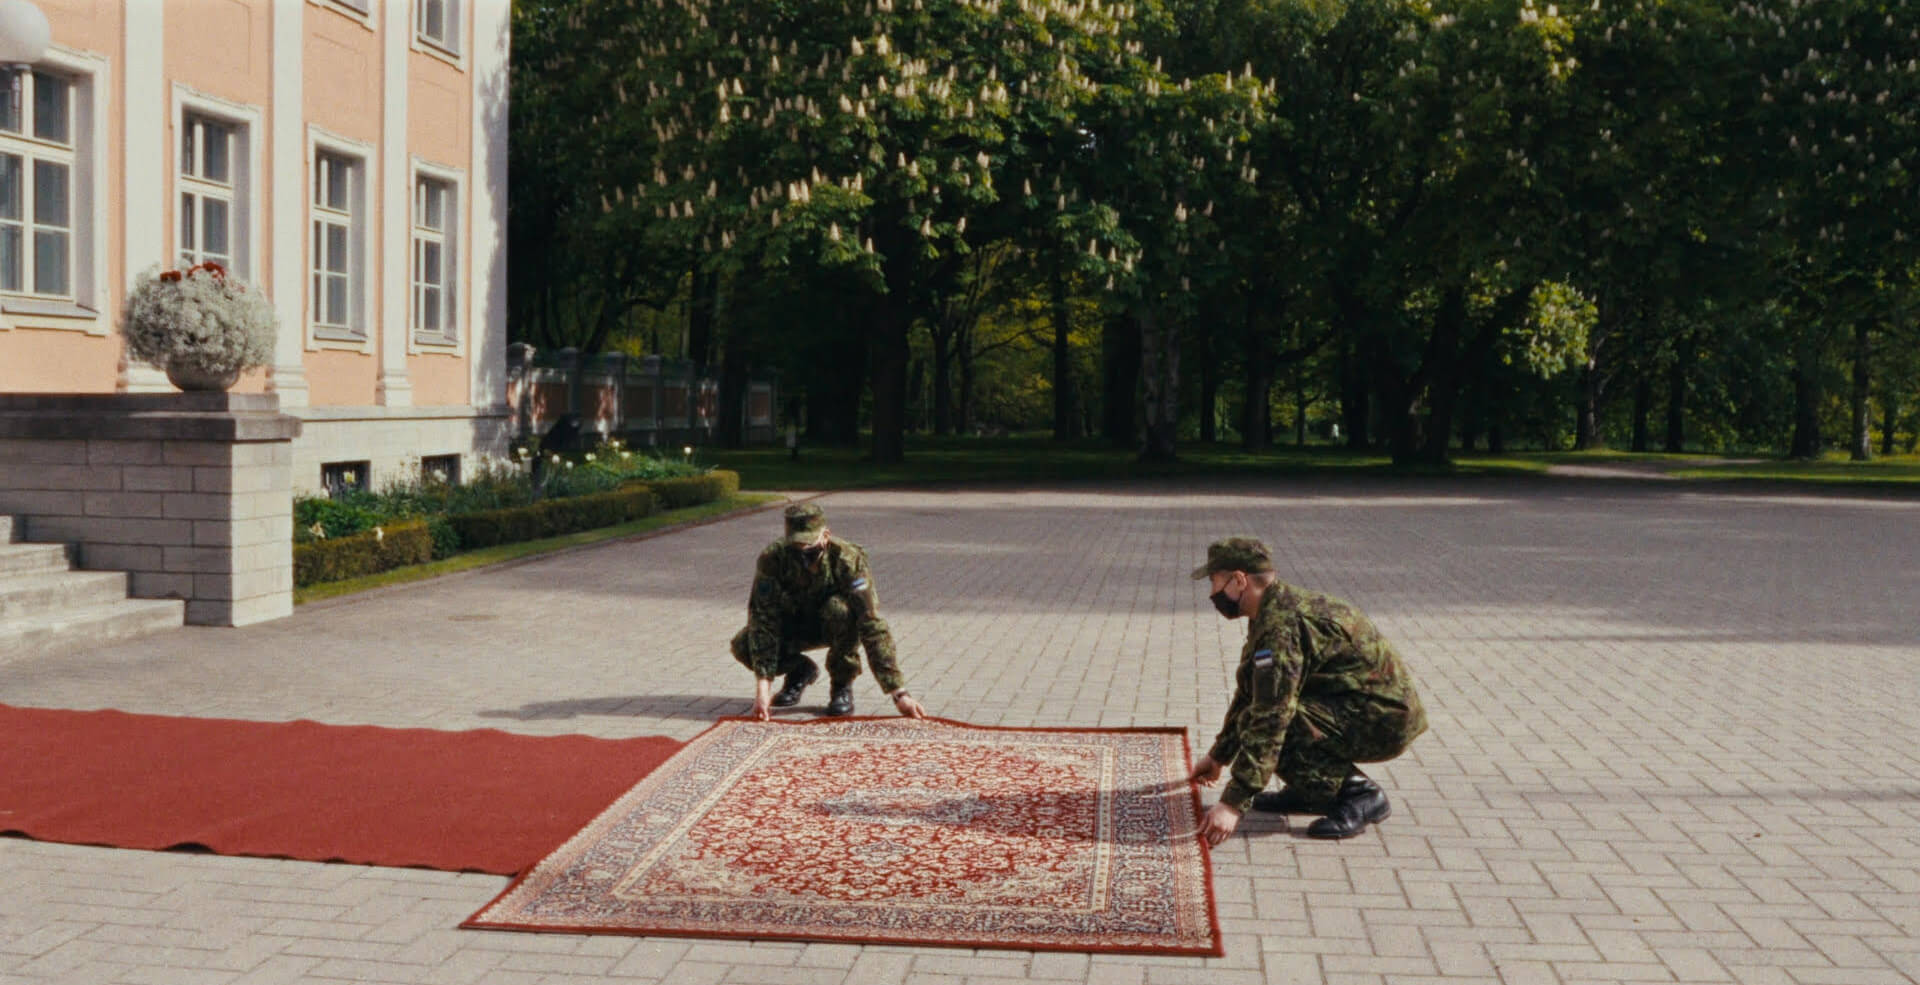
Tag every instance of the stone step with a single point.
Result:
(8, 531)
(21, 559)
(88, 625)
(22, 596)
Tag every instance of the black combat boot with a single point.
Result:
(842, 702)
(797, 681)
(1289, 800)
(1361, 802)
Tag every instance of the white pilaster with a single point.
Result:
(392, 389)
(288, 278)
(487, 241)
(145, 193)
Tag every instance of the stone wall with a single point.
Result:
(189, 493)
(393, 440)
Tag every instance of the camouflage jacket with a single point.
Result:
(787, 597)
(1302, 647)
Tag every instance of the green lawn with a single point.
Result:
(509, 552)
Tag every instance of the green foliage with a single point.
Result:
(378, 549)
(1554, 335)
(550, 518)
(693, 490)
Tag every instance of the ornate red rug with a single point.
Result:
(897, 832)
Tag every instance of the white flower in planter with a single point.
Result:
(201, 319)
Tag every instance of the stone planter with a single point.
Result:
(194, 378)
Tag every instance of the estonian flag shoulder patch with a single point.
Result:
(1263, 658)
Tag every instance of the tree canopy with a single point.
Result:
(1414, 224)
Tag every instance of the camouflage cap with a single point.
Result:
(804, 523)
(1235, 554)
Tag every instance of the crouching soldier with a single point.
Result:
(811, 590)
(1318, 690)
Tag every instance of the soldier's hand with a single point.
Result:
(1206, 772)
(1218, 824)
(908, 706)
(763, 699)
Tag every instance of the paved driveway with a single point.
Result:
(1674, 734)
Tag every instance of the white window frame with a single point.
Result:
(358, 335)
(358, 11)
(453, 238)
(84, 307)
(451, 47)
(244, 195)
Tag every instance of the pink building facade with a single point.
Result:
(346, 156)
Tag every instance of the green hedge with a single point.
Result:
(692, 490)
(363, 553)
(551, 517)
(419, 541)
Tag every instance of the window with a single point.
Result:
(37, 186)
(211, 154)
(441, 468)
(341, 478)
(338, 217)
(433, 268)
(437, 22)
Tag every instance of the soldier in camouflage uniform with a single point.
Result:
(810, 590)
(1317, 691)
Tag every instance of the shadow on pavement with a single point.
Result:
(697, 707)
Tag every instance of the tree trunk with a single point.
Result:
(1397, 403)
(1862, 445)
(890, 351)
(1120, 402)
(963, 351)
(1160, 369)
(1300, 404)
(733, 390)
(1642, 407)
(1355, 395)
(700, 319)
(1209, 388)
(943, 383)
(1586, 430)
(1443, 374)
(1256, 418)
(1889, 416)
(1806, 413)
(1677, 397)
(1066, 417)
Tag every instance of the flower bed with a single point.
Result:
(352, 534)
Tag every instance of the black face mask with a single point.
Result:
(1227, 607)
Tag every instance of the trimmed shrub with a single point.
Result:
(550, 518)
(376, 550)
(446, 540)
(692, 490)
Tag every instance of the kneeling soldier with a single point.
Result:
(1318, 690)
(810, 590)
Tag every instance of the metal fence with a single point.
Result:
(644, 401)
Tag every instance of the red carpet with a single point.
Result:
(893, 831)
(485, 800)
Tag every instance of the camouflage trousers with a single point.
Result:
(1328, 736)
(835, 627)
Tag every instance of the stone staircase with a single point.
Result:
(46, 605)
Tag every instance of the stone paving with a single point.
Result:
(1673, 734)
